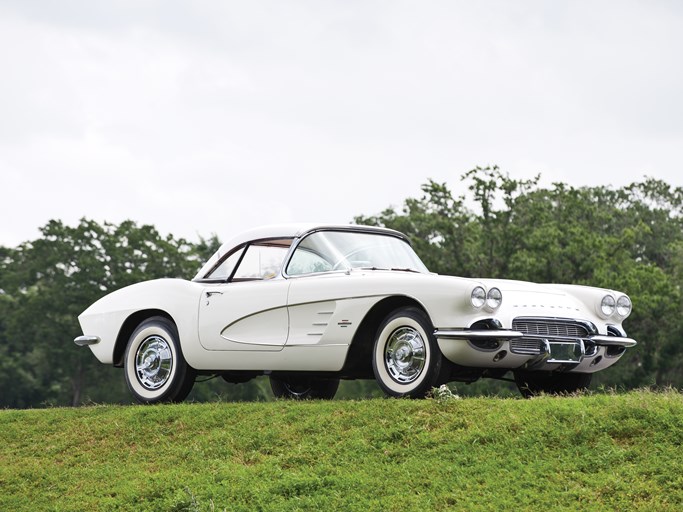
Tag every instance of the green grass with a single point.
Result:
(596, 452)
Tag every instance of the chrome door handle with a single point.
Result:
(209, 294)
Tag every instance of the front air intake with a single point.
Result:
(550, 328)
(537, 330)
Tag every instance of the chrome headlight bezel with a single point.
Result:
(624, 306)
(608, 306)
(478, 297)
(494, 298)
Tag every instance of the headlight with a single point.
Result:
(608, 305)
(478, 297)
(494, 298)
(624, 306)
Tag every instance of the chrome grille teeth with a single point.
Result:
(526, 347)
(539, 328)
(549, 328)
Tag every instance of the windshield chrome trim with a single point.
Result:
(351, 229)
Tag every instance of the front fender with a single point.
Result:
(105, 318)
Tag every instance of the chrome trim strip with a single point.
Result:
(84, 341)
(612, 341)
(493, 334)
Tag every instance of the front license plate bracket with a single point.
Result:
(565, 351)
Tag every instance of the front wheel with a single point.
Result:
(533, 383)
(154, 365)
(303, 388)
(406, 358)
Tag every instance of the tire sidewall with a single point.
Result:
(415, 319)
(164, 329)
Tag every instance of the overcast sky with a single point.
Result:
(209, 117)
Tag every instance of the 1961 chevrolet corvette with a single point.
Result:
(309, 305)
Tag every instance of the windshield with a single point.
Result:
(327, 251)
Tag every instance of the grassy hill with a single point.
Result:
(596, 452)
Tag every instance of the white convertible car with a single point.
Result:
(309, 305)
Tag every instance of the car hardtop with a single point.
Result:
(287, 231)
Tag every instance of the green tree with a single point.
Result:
(48, 282)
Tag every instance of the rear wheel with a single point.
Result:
(304, 388)
(406, 358)
(154, 365)
(533, 383)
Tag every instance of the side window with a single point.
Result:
(261, 262)
(224, 270)
(305, 261)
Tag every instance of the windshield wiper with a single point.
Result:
(405, 270)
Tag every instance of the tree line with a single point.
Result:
(492, 225)
(629, 239)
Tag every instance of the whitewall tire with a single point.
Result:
(406, 359)
(154, 365)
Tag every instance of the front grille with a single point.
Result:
(526, 346)
(536, 330)
(550, 328)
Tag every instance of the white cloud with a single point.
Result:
(209, 117)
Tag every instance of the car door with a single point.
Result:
(249, 312)
(325, 307)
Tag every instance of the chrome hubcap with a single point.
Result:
(405, 355)
(153, 362)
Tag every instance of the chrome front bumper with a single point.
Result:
(465, 334)
(503, 335)
(612, 341)
(86, 341)
(535, 343)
